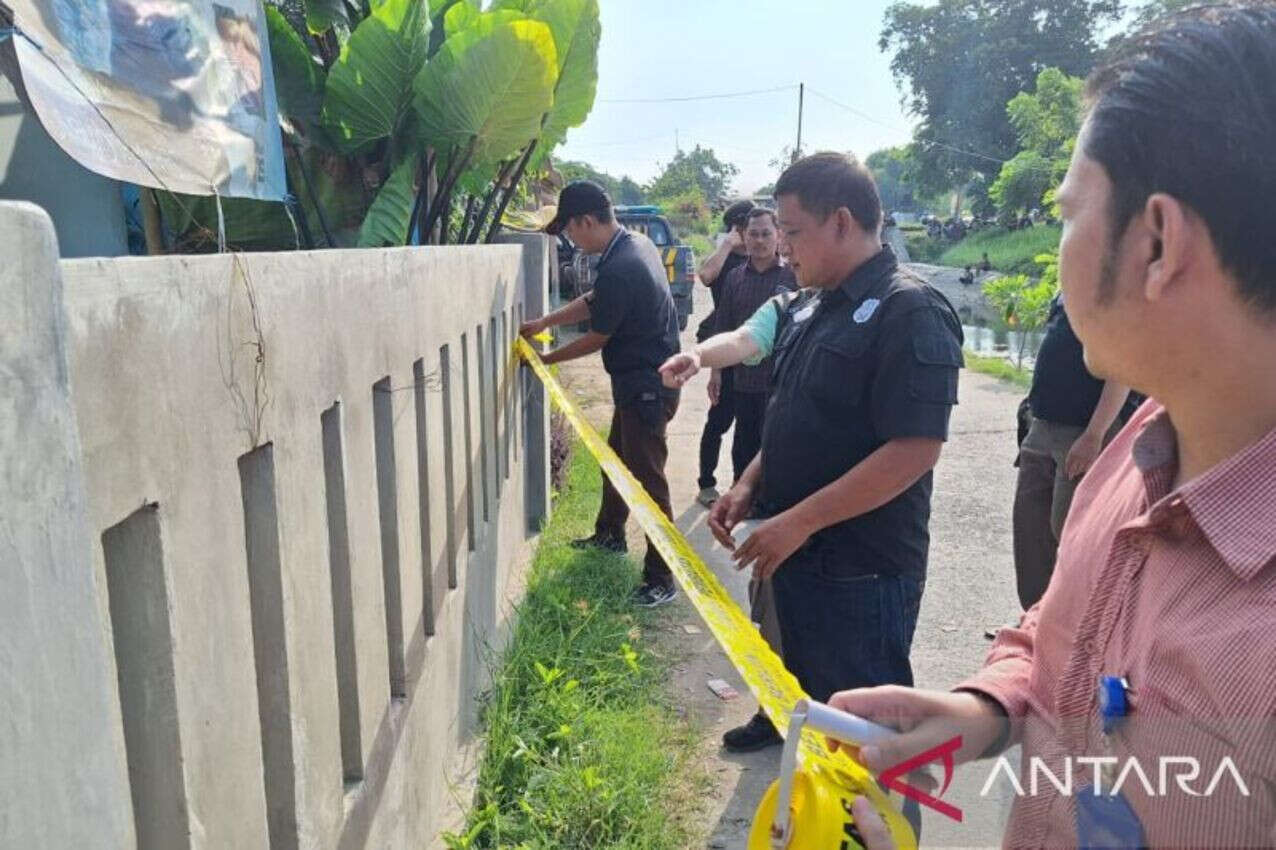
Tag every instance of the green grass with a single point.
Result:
(1011, 252)
(582, 751)
(999, 367)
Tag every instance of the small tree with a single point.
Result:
(1023, 302)
(699, 169)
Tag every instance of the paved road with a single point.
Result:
(970, 586)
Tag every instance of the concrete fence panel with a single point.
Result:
(308, 487)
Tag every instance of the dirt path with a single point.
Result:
(970, 586)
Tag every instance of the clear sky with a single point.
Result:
(680, 48)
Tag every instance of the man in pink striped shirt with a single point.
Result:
(1166, 574)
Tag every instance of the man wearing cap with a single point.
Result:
(633, 323)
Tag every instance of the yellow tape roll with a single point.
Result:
(828, 776)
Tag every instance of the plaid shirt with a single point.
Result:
(1176, 591)
(744, 291)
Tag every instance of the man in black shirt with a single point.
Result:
(1072, 416)
(865, 378)
(730, 255)
(633, 322)
(748, 287)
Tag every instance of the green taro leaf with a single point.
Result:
(488, 86)
(577, 34)
(370, 86)
(322, 14)
(463, 16)
(299, 79)
(391, 212)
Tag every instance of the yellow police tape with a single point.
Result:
(830, 780)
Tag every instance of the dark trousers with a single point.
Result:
(638, 436)
(721, 415)
(750, 410)
(844, 631)
(1043, 495)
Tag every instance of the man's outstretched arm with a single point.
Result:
(717, 352)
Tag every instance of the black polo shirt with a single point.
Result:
(631, 304)
(1063, 390)
(873, 360)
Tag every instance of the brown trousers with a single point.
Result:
(638, 437)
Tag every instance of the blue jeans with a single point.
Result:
(844, 631)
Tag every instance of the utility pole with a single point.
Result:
(797, 152)
(677, 143)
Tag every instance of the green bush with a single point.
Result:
(922, 248)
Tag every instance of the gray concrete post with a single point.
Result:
(539, 257)
(63, 770)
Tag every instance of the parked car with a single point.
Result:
(576, 270)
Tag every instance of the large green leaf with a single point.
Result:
(524, 6)
(370, 86)
(322, 14)
(463, 16)
(577, 33)
(388, 217)
(438, 15)
(488, 86)
(299, 79)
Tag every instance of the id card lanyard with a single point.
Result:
(1105, 819)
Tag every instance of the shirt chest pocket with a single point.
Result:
(836, 372)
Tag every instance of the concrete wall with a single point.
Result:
(307, 483)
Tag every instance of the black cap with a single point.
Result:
(580, 197)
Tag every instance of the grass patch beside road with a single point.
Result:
(999, 367)
(1011, 252)
(582, 750)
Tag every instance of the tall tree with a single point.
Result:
(1046, 122)
(891, 167)
(958, 62)
(699, 169)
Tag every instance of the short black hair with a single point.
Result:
(759, 212)
(826, 182)
(737, 214)
(1188, 108)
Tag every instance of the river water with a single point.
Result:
(995, 342)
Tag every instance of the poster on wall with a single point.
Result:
(174, 94)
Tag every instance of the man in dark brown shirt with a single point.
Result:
(746, 289)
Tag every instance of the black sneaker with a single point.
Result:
(653, 595)
(601, 541)
(757, 734)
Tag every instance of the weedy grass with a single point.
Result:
(1012, 252)
(582, 748)
(999, 367)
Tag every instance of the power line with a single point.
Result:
(686, 99)
(926, 142)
